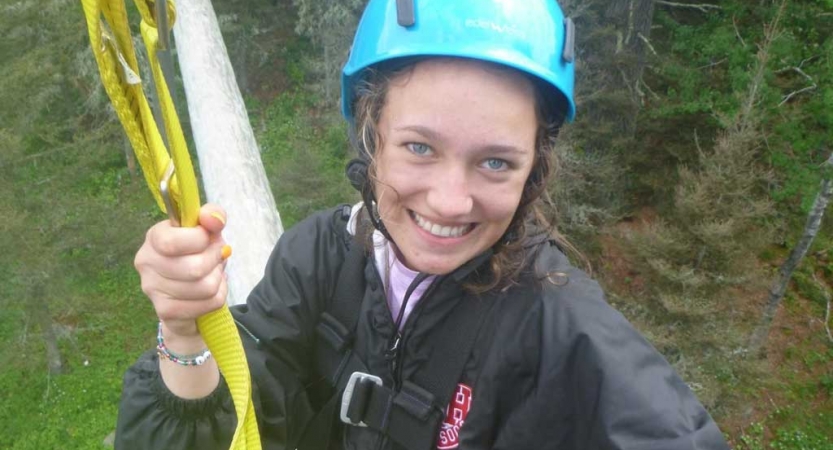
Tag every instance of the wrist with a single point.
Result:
(186, 367)
(182, 338)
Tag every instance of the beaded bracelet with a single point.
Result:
(197, 359)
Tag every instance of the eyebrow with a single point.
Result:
(435, 136)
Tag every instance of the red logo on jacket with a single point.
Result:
(455, 415)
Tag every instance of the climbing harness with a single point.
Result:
(170, 176)
(408, 412)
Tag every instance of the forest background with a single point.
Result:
(698, 151)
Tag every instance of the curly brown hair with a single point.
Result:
(535, 217)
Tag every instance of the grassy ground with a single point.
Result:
(98, 338)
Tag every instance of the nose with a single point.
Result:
(450, 196)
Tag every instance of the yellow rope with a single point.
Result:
(112, 46)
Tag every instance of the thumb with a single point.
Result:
(212, 218)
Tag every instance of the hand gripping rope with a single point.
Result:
(170, 177)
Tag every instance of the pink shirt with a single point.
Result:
(400, 279)
(395, 276)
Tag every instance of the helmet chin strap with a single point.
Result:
(357, 174)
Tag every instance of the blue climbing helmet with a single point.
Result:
(532, 36)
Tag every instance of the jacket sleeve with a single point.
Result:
(152, 417)
(277, 328)
(624, 395)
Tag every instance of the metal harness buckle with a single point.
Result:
(347, 396)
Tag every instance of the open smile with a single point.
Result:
(440, 230)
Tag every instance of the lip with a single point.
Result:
(453, 231)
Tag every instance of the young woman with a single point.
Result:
(440, 312)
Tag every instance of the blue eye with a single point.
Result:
(495, 164)
(418, 149)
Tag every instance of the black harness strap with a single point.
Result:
(335, 332)
(410, 416)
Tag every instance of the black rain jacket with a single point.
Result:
(553, 367)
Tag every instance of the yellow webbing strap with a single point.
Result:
(112, 46)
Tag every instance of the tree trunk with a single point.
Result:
(779, 287)
(230, 164)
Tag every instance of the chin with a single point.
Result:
(436, 264)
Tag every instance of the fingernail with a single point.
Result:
(219, 217)
(225, 252)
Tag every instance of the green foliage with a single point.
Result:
(753, 438)
(586, 186)
(809, 287)
(330, 26)
(710, 62)
(717, 216)
(73, 217)
(714, 163)
(800, 439)
(97, 337)
(787, 438)
(304, 156)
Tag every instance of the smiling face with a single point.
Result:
(457, 145)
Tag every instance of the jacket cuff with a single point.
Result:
(189, 409)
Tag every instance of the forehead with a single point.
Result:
(461, 71)
(465, 99)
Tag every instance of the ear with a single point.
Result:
(357, 173)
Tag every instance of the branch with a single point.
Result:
(697, 144)
(580, 10)
(737, 33)
(827, 322)
(771, 32)
(630, 23)
(798, 70)
(801, 72)
(712, 64)
(701, 7)
(800, 91)
(827, 296)
(648, 43)
(650, 91)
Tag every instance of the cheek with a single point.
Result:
(503, 199)
(391, 181)
(396, 174)
(499, 209)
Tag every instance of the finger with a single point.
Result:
(186, 268)
(189, 310)
(160, 289)
(175, 241)
(212, 218)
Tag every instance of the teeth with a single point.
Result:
(439, 230)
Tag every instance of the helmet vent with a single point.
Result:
(405, 13)
(569, 54)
